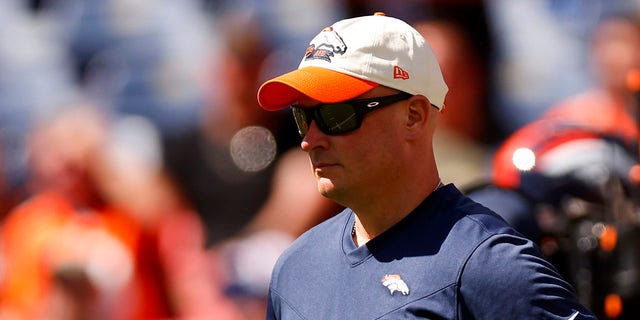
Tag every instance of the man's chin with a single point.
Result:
(326, 187)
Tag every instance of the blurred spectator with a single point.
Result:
(612, 104)
(576, 166)
(541, 53)
(97, 238)
(607, 108)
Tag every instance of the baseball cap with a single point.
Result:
(356, 55)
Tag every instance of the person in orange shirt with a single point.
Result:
(609, 108)
(102, 236)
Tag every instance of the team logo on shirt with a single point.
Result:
(394, 283)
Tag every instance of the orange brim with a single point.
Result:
(324, 85)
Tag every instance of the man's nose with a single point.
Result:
(314, 138)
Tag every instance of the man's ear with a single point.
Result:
(417, 114)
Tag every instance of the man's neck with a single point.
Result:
(378, 216)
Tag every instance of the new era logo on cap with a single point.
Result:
(399, 73)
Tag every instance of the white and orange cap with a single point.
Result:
(356, 55)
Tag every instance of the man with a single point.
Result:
(366, 99)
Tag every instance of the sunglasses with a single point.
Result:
(343, 117)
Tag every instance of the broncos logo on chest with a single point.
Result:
(394, 283)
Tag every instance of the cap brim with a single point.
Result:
(324, 85)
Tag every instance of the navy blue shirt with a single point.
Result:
(451, 258)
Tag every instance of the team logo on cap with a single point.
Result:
(325, 45)
(394, 283)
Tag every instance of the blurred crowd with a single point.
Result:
(139, 179)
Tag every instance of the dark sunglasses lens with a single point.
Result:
(301, 120)
(337, 118)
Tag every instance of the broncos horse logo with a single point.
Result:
(394, 283)
(325, 45)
